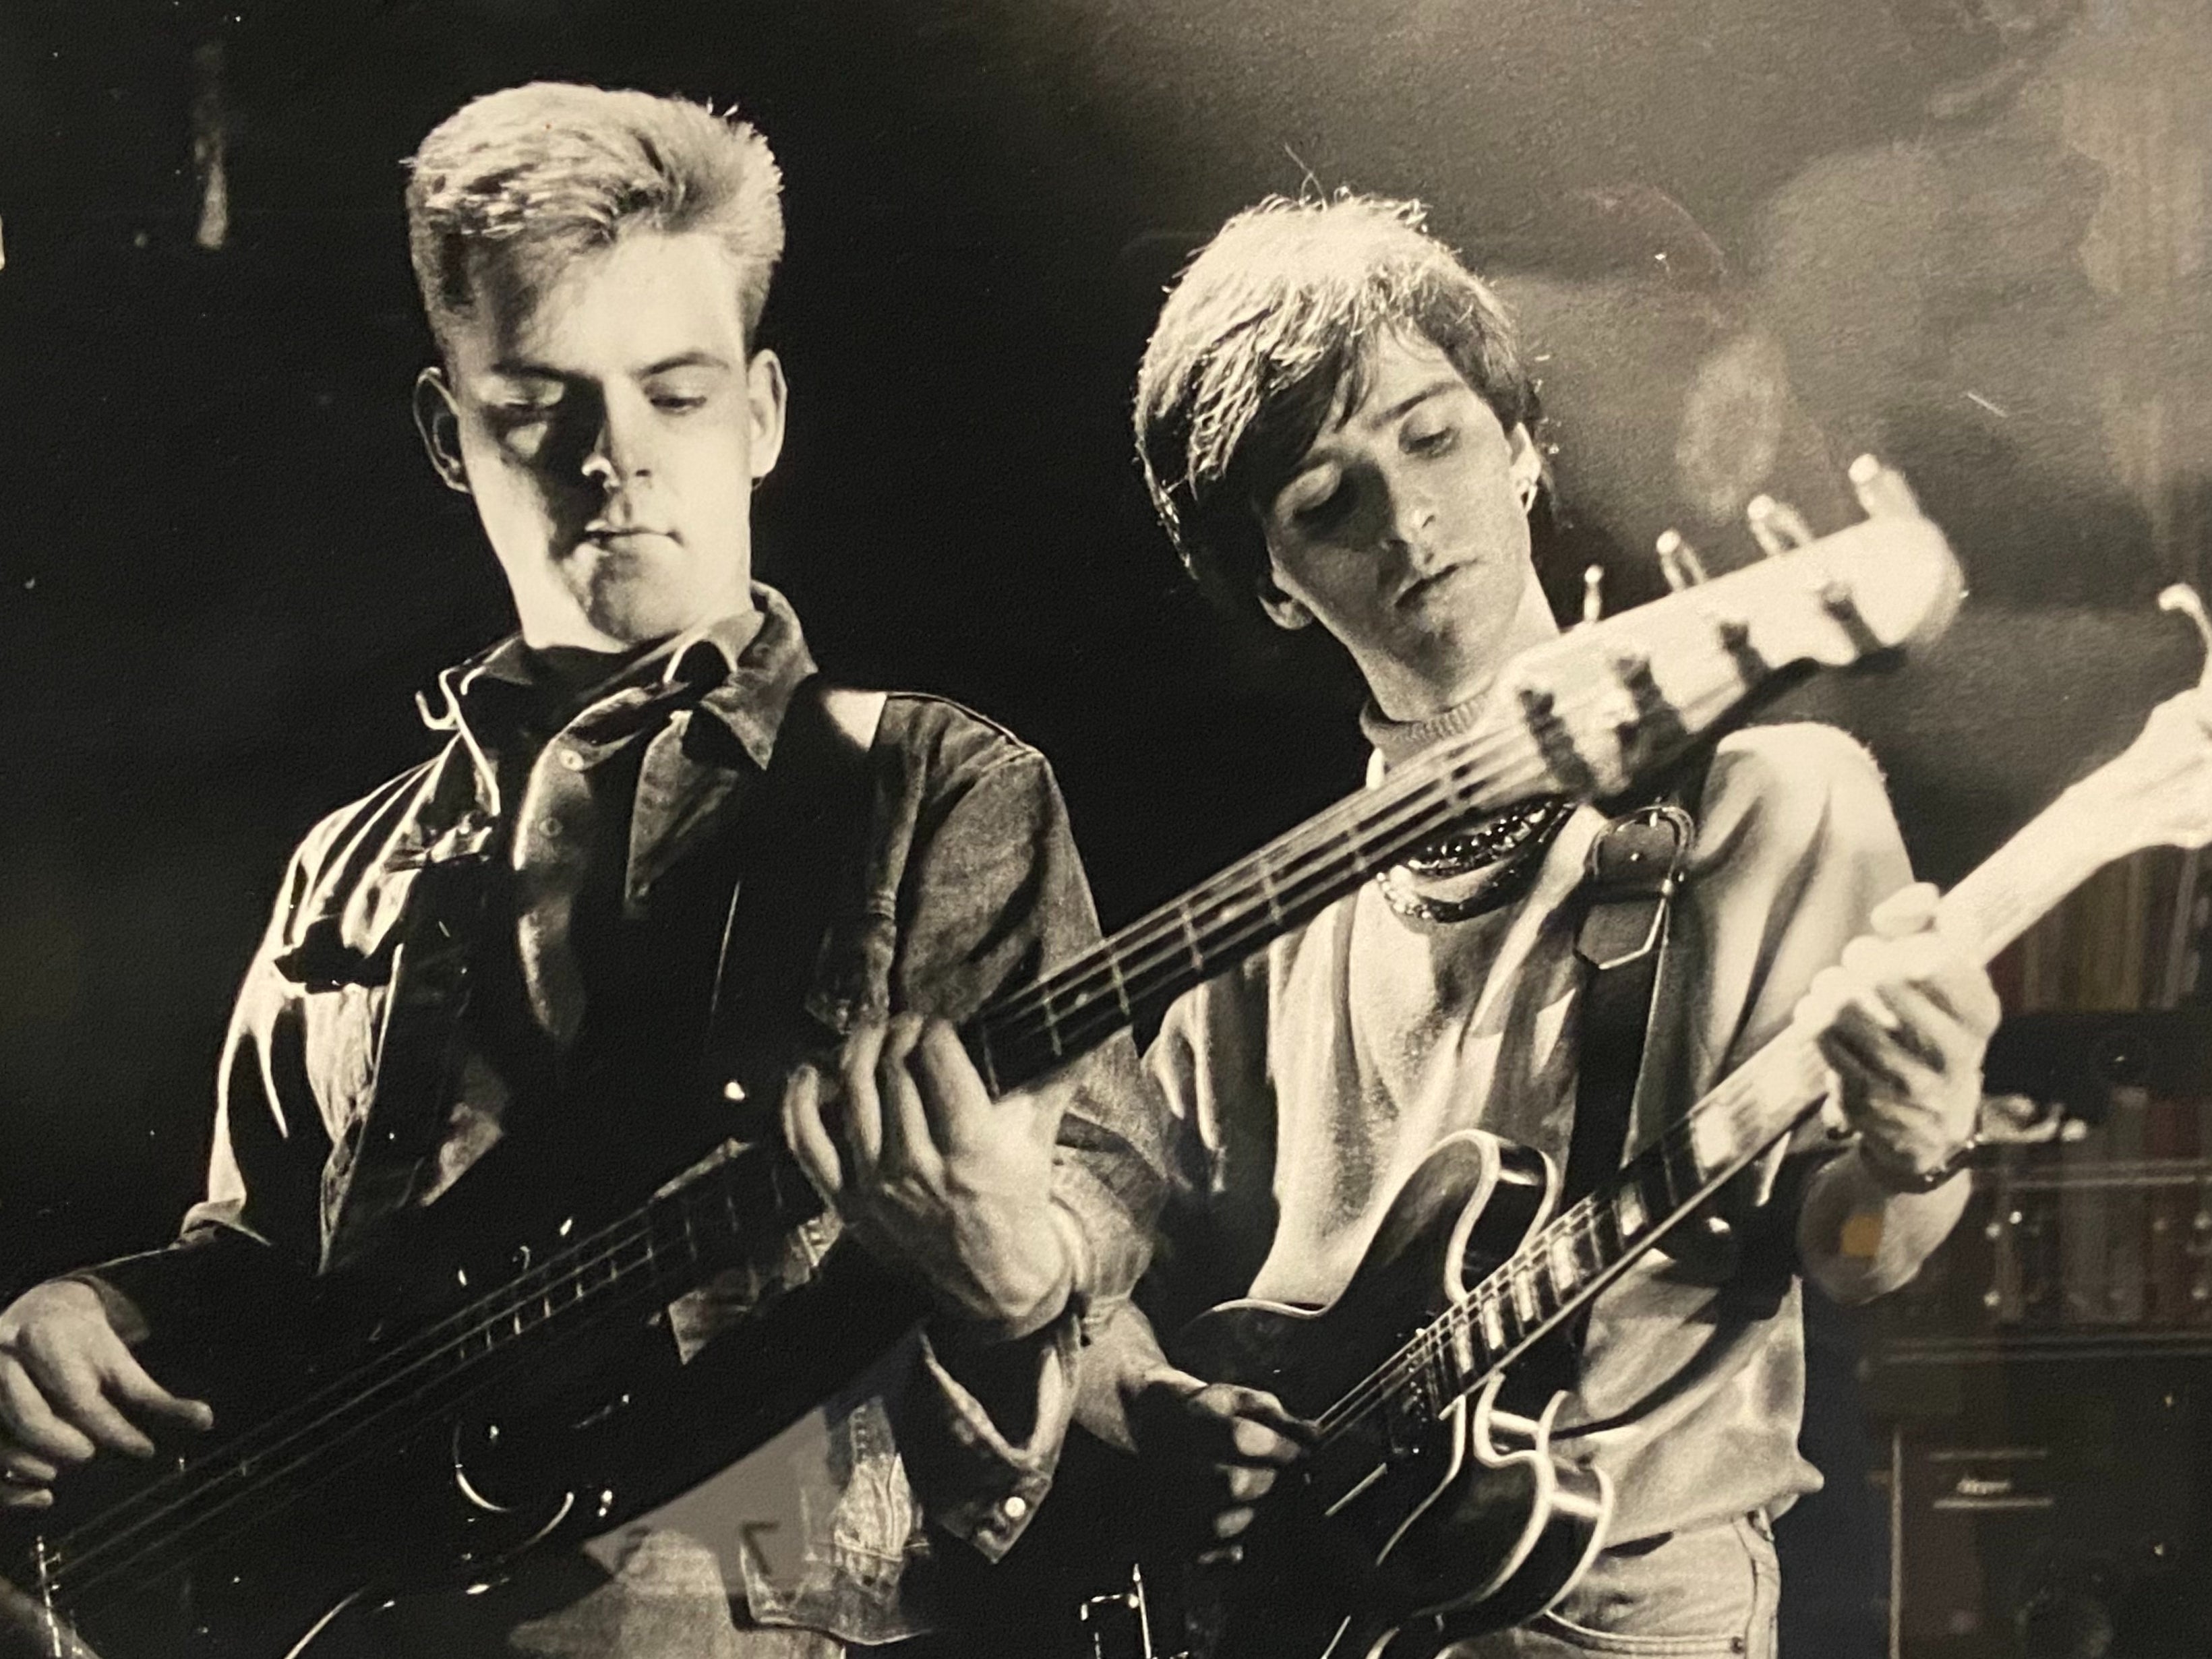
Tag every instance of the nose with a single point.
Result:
(1412, 517)
(615, 457)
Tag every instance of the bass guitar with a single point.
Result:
(398, 1428)
(1432, 1502)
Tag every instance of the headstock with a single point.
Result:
(1666, 671)
(2158, 791)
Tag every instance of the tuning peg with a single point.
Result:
(2183, 598)
(1777, 527)
(1679, 561)
(1593, 593)
(1881, 492)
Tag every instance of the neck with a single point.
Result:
(1410, 693)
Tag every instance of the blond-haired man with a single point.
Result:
(593, 265)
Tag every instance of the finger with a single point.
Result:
(1257, 1404)
(129, 1385)
(1855, 1043)
(1929, 1027)
(1232, 1523)
(1253, 1442)
(909, 1143)
(95, 1413)
(21, 1493)
(861, 1130)
(960, 1109)
(805, 1134)
(1961, 988)
(24, 1468)
(1910, 909)
(1247, 1485)
(1872, 967)
(32, 1422)
(76, 1386)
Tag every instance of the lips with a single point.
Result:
(608, 534)
(1427, 586)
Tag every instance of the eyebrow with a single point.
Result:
(514, 370)
(1435, 388)
(684, 359)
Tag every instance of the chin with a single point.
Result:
(634, 612)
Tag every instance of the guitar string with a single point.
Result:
(1401, 1370)
(1422, 790)
(1400, 820)
(1324, 833)
(269, 1441)
(608, 1245)
(1327, 829)
(1736, 1100)
(1818, 576)
(1989, 908)
(501, 1308)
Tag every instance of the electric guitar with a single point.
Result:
(1433, 1503)
(397, 1429)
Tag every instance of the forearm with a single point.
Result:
(212, 1273)
(1860, 1238)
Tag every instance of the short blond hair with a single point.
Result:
(535, 174)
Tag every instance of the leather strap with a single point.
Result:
(1635, 865)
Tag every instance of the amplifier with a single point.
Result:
(2063, 1518)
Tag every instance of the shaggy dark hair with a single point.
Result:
(1273, 319)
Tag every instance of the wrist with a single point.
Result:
(1897, 1175)
(1021, 1313)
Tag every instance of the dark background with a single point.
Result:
(1750, 237)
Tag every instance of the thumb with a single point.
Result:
(1908, 910)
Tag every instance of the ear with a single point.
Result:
(1282, 609)
(766, 395)
(1525, 464)
(438, 418)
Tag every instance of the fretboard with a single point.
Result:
(1590, 1244)
(1136, 973)
(708, 1222)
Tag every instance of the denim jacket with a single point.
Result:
(972, 883)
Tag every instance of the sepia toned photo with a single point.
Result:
(1106, 830)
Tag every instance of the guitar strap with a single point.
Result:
(803, 864)
(1636, 866)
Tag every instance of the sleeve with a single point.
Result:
(254, 1236)
(1209, 1063)
(993, 893)
(1796, 846)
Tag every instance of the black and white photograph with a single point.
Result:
(1106, 830)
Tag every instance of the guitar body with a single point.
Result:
(1434, 1527)
(318, 1501)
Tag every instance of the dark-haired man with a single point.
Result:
(593, 265)
(1338, 431)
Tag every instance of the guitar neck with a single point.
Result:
(1565, 1264)
(1588, 715)
(1134, 975)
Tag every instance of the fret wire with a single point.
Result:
(1423, 797)
(1166, 965)
(1451, 772)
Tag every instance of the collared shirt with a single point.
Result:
(611, 829)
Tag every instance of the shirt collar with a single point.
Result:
(747, 666)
